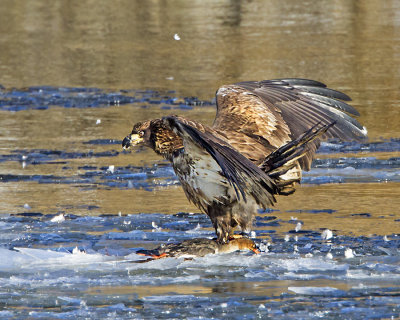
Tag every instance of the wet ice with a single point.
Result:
(104, 261)
(67, 266)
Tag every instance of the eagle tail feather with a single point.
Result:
(284, 159)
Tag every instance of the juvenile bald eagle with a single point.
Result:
(263, 135)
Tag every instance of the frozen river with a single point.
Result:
(68, 266)
(74, 208)
(65, 254)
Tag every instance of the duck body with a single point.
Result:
(199, 247)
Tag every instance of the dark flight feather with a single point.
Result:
(324, 101)
(292, 150)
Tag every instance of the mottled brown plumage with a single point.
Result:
(159, 137)
(199, 247)
(263, 135)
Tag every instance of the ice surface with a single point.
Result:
(106, 278)
(29, 259)
(63, 266)
(317, 291)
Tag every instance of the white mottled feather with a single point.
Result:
(196, 168)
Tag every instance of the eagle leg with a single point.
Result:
(223, 231)
(221, 219)
(222, 236)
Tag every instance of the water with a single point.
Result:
(75, 208)
(86, 266)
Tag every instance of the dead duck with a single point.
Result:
(199, 247)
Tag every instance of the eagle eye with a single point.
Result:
(141, 133)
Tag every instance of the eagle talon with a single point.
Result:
(236, 236)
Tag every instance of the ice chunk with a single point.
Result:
(98, 121)
(264, 246)
(327, 234)
(32, 259)
(155, 226)
(315, 291)
(312, 265)
(60, 218)
(177, 37)
(77, 251)
(348, 253)
(111, 169)
(197, 230)
(70, 301)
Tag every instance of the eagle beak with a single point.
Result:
(132, 139)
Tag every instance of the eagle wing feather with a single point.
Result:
(272, 113)
(241, 173)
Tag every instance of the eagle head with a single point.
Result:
(154, 134)
(140, 134)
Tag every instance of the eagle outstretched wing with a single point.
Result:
(273, 112)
